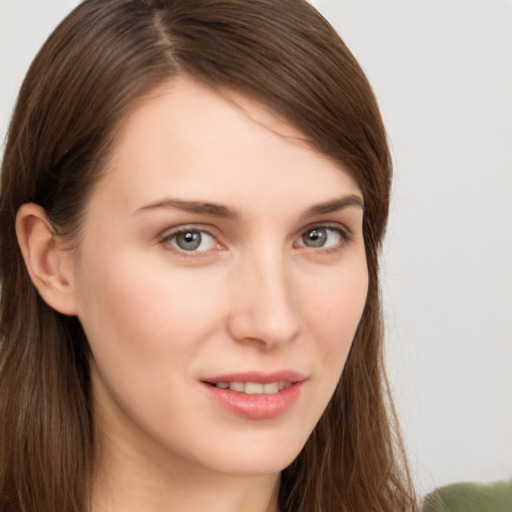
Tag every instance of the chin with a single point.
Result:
(258, 457)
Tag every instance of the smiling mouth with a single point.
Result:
(256, 395)
(253, 388)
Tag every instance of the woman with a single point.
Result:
(193, 198)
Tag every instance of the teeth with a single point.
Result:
(237, 386)
(254, 388)
(271, 388)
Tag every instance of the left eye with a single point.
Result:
(191, 240)
(321, 237)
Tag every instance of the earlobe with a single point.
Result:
(47, 262)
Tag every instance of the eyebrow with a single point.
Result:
(335, 205)
(221, 211)
(199, 207)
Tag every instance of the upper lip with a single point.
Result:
(258, 376)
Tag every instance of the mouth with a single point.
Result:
(255, 395)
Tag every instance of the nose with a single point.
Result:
(264, 306)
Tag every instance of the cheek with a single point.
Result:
(142, 313)
(145, 318)
(146, 326)
(337, 307)
(333, 313)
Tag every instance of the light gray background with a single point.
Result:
(442, 71)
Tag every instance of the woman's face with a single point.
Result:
(220, 279)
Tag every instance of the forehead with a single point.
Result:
(185, 138)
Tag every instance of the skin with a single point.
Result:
(255, 295)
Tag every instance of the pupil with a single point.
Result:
(189, 241)
(315, 238)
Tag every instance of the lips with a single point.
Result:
(256, 395)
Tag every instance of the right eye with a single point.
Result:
(190, 240)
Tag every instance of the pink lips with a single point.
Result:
(256, 406)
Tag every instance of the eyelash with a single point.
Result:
(167, 237)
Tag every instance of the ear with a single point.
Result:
(49, 264)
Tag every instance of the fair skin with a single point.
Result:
(217, 242)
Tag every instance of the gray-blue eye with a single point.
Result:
(321, 237)
(191, 240)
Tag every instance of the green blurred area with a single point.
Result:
(470, 497)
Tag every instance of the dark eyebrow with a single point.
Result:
(219, 210)
(335, 205)
(199, 207)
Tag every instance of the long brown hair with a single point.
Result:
(104, 57)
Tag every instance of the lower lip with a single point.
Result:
(256, 407)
